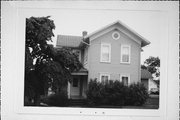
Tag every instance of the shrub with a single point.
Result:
(115, 93)
(109, 93)
(58, 99)
(94, 96)
(118, 96)
(138, 94)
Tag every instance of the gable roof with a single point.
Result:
(145, 74)
(75, 41)
(68, 41)
(144, 42)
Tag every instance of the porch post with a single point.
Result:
(69, 90)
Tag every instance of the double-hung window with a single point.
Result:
(125, 53)
(105, 52)
(104, 78)
(125, 79)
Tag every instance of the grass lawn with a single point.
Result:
(152, 103)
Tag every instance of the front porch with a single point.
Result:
(77, 88)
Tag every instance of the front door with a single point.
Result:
(75, 86)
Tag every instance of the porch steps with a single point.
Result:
(77, 102)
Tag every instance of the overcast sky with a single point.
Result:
(152, 25)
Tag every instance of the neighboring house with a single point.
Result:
(153, 86)
(147, 80)
(110, 53)
(146, 77)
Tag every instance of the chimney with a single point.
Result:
(84, 33)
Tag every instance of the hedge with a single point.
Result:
(116, 93)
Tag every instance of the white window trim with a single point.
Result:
(109, 52)
(129, 54)
(125, 75)
(104, 74)
(115, 33)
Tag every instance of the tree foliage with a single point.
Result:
(46, 66)
(152, 64)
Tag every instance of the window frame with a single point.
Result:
(101, 59)
(79, 56)
(125, 75)
(85, 55)
(104, 74)
(121, 54)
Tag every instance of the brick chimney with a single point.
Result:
(84, 33)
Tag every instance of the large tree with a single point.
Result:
(152, 64)
(45, 66)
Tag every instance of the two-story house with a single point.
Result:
(110, 53)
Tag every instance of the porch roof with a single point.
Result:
(82, 71)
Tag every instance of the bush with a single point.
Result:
(94, 96)
(58, 99)
(115, 93)
(138, 94)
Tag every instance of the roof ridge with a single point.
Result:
(146, 42)
(69, 35)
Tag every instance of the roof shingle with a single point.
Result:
(145, 74)
(68, 41)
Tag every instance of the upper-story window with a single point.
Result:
(78, 52)
(105, 52)
(125, 79)
(85, 55)
(125, 53)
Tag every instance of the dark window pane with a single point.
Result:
(75, 82)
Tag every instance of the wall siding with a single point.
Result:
(114, 68)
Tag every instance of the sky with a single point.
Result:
(149, 24)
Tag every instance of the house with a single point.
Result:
(110, 53)
(146, 77)
(147, 80)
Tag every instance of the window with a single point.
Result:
(105, 52)
(85, 55)
(75, 82)
(125, 79)
(79, 54)
(104, 77)
(125, 53)
(115, 35)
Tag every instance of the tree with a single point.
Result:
(45, 66)
(152, 64)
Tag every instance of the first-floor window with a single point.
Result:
(104, 77)
(125, 79)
